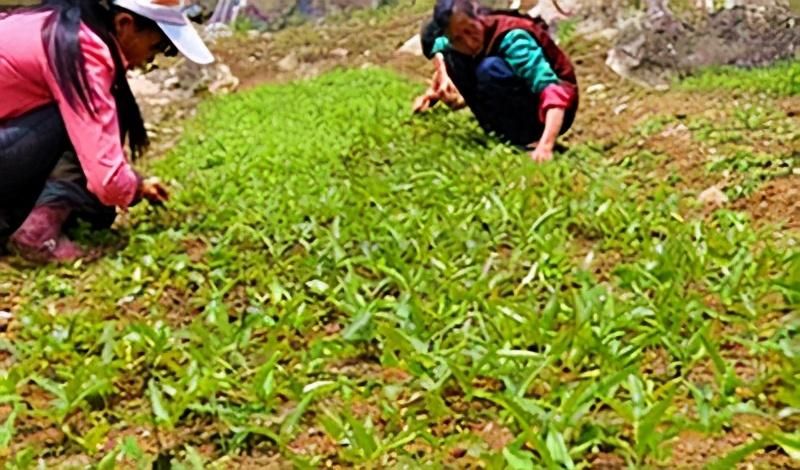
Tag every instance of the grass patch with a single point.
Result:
(782, 79)
(338, 281)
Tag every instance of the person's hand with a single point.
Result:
(542, 153)
(154, 191)
(422, 103)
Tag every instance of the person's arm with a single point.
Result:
(441, 88)
(96, 137)
(526, 58)
(554, 119)
(553, 103)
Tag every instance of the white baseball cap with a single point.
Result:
(169, 16)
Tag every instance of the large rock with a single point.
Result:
(658, 46)
(275, 14)
(413, 46)
(176, 89)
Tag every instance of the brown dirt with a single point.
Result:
(178, 305)
(395, 375)
(606, 461)
(600, 263)
(778, 201)
(267, 461)
(656, 363)
(196, 249)
(748, 368)
(692, 449)
(314, 442)
(256, 62)
(495, 435)
(237, 300)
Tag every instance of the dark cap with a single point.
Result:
(442, 12)
(428, 35)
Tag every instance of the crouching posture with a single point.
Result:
(506, 68)
(66, 109)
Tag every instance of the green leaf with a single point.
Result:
(790, 443)
(290, 423)
(109, 461)
(359, 323)
(363, 435)
(130, 447)
(108, 342)
(157, 403)
(646, 434)
(194, 457)
(7, 430)
(558, 449)
(518, 459)
(738, 454)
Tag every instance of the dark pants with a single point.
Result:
(502, 102)
(38, 167)
(66, 186)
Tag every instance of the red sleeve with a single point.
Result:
(557, 95)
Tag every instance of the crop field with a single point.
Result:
(338, 283)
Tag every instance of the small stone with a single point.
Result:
(673, 131)
(288, 63)
(620, 109)
(216, 30)
(607, 34)
(413, 46)
(224, 81)
(172, 82)
(713, 196)
(340, 52)
(596, 88)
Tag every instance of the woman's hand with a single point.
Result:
(154, 191)
(542, 153)
(440, 88)
(424, 102)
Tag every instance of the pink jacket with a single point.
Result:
(27, 83)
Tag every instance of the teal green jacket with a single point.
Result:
(523, 54)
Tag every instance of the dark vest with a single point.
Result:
(462, 70)
(499, 23)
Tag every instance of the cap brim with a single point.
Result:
(188, 41)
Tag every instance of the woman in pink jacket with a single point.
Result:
(63, 88)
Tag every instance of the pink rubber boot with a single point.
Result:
(40, 239)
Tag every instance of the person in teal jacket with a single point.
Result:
(506, 68)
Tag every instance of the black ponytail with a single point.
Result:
(60, 39)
